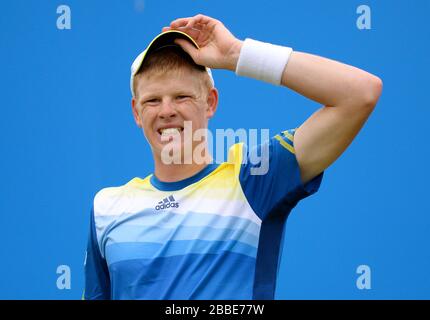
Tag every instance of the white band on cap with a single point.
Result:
(262, 61)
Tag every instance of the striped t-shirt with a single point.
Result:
(215, 235)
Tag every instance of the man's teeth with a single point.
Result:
(170, 131)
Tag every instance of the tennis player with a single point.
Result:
(205, 230)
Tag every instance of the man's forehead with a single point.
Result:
(167, 81)
(180, 72)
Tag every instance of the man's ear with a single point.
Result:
(135, 112)
(212, 102)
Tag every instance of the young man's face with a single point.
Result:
(163, 104)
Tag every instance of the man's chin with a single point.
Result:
(170, 153)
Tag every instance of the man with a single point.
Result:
(199, 230)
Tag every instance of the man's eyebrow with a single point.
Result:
(185, 92)
(154, 95)
(149, 96)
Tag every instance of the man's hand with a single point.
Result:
(219, 49)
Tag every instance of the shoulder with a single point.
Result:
(108, 198)
(236, 156)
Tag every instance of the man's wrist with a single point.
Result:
(233, 55)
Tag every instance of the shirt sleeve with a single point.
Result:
(97, 280)
(274, 180)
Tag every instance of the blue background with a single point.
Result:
(66, 131)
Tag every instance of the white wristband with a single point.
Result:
(262, 61)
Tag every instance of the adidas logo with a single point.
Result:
(168, 202)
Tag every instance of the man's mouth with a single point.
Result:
(169, 132)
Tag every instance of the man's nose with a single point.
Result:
(167, 109)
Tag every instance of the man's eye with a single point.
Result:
(182, 97)
(152, 101)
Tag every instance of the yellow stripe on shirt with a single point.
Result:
(288, 135)
(284, 144)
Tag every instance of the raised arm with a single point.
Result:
(348, 94)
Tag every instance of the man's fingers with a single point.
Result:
(195, 25)
(191, 21)
(188, 48)
(192, 32)
(198, 26)
(200, 18)
(181, 22)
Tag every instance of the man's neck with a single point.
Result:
(178, 172)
